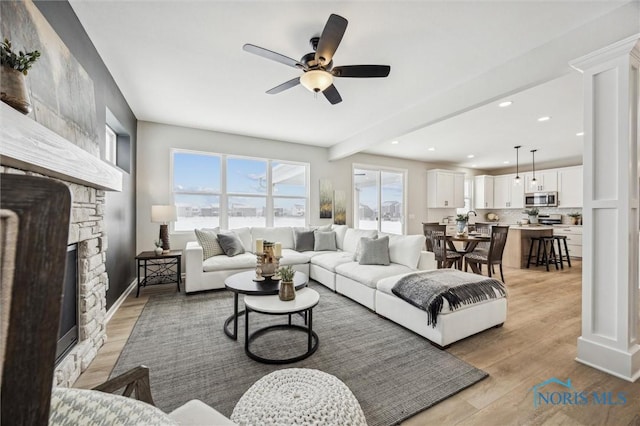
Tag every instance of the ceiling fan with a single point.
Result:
(318, 65)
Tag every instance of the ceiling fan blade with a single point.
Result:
(284, 86)
(266, 53)
(361, 71)
(330, 39)
(332, 95)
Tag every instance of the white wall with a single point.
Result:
(154, 187)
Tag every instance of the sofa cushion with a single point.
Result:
(230, 243)
(330, 260)
(340, 230)
(314, 253)
(245, 237)
(322, 228)
(352, 238)
(292, 257)
(374, 251)
(369, 275)
(223, 262)
(303, 239)
(282, 235)
(208, 240)
(405, 249)
(324, 241)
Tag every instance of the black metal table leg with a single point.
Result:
(233, 318)
(138, 272)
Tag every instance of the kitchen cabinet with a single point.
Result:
(546, 181)
(445, 189)
(507, 194)
(570, 187)
(574, 238)
(483, 192)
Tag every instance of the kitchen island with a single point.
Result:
(516, 250)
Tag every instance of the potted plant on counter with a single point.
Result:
(575, 217)
(13, 68)
(533, 215)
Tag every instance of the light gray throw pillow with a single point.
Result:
(374, 251)
(303, 239)
(324, 241)
(231, 244)
(208, 240)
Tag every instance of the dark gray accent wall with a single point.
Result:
(120, 211)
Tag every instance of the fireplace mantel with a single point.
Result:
(28, 145)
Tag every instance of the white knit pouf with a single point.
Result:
(298, 396)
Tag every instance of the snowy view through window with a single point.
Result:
(379, 195)
(202, 200)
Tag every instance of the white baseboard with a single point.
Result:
(114, 308)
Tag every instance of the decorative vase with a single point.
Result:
(287, 291)
(13, 90)
(533, 219)
(574, 220)
(460, 225)
(158, 251)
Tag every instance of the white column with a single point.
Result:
(609, 340)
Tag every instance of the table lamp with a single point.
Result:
(164, 214)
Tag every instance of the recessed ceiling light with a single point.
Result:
(431, 149)
(470, 156)
(394, 142)
(545, 118)
(474, 165)
(505, 162)
(580, 134)
(505, 104)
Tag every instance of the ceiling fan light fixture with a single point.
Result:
(316, 80)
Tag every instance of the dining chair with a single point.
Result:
(445, 258)
(493, 256)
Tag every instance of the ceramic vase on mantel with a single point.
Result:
(13, 90)
(287, 291)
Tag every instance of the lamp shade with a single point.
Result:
(164, 213)
(316, 80)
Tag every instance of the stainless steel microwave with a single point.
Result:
(541, 199)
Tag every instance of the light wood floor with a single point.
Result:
(537, 342)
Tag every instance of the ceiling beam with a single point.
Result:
(537, 66)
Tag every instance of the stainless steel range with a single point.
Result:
(550, 219)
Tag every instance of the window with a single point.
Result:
(378, 196)
(213, 190)
(110, 147)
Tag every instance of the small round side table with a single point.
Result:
(306, 299)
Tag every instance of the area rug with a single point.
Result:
(393, 372)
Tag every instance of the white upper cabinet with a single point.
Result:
(546, 180)
(506, 193)
(570, 187)
(483, 192)
(445, 189)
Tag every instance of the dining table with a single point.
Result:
(470, 241)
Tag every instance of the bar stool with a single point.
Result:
(565, 256)
(548, 254)
(533, 241)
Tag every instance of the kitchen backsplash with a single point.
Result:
(511, 216)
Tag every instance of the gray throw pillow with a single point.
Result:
(208, 240)
(356, 255)
(374, 251)
(304, 240)
(324, 241)
(231, 244)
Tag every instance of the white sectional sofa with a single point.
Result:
(369, 285)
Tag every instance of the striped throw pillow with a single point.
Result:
(208, 240)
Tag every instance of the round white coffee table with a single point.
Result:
(306, 299)
(298, 396)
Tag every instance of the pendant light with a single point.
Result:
(534, 182)
(517, 178)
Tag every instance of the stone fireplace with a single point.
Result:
(30, 148)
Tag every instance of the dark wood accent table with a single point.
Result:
(163, 268)
(242, 283)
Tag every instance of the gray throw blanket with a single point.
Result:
(426, 290)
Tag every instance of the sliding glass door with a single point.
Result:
(378, 196)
